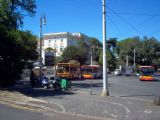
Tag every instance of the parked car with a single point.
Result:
(117, 72)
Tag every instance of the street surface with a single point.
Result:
(9, 113)
(122, 86)
(130, 99)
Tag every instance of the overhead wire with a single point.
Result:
(147, 20)
(132, 26)
(116, 26)
(150, 17)
(138, 14)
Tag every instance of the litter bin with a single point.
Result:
(64, 83)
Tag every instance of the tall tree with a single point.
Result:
(126, 48)
(96, 48)
(13, 11)
(111, 61)
(74, 53)
(147, 50)
(17, 47)
(150, 51)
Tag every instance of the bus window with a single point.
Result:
(91, 71)
(68, 70)
(146, 73)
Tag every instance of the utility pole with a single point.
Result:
(134, 57)
(55, 50)
(105, 91)
(126, 60)
(91, 55)
(42, 22)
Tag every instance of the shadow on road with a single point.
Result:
(25, 88)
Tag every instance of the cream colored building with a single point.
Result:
(57, 42)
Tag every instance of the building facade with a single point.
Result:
(55, 43)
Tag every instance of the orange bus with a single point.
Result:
(146, 73)
(91, 71)
(68, 70)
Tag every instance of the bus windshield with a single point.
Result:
(147, 70)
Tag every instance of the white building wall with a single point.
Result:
(59, 41)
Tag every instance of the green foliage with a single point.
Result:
(17, 48)
(95, 42)
(96, 47)
(59, 59)
(127, 46)
(74, 53)
(147, 50)
(13, 11)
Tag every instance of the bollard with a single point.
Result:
(156, 100)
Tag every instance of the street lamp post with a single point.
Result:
(134, 57)
(42, 22)
(55, 50)
(91, 49)
(105, 91)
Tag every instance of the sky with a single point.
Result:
(125, 18)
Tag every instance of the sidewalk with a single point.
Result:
(78, 104)
(20, 101)
(83, 106)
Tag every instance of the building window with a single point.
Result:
(61, 49)
(55, 43)
(61, 42)
(49, 42)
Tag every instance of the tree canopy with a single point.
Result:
(147, 50)
(74, 53)
(96, 47)
(13, 11)
(111, 61)
(17, 47)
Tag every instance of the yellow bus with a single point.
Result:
(68, 70)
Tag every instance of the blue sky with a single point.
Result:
(125, 18)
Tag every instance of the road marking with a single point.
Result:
(121, 105)
(148, 111)
(63, 110)
(113, 115)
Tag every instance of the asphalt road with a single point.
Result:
(9, 113)
(130, 99)
(119, 86)
(122, 86)
(133, 87)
